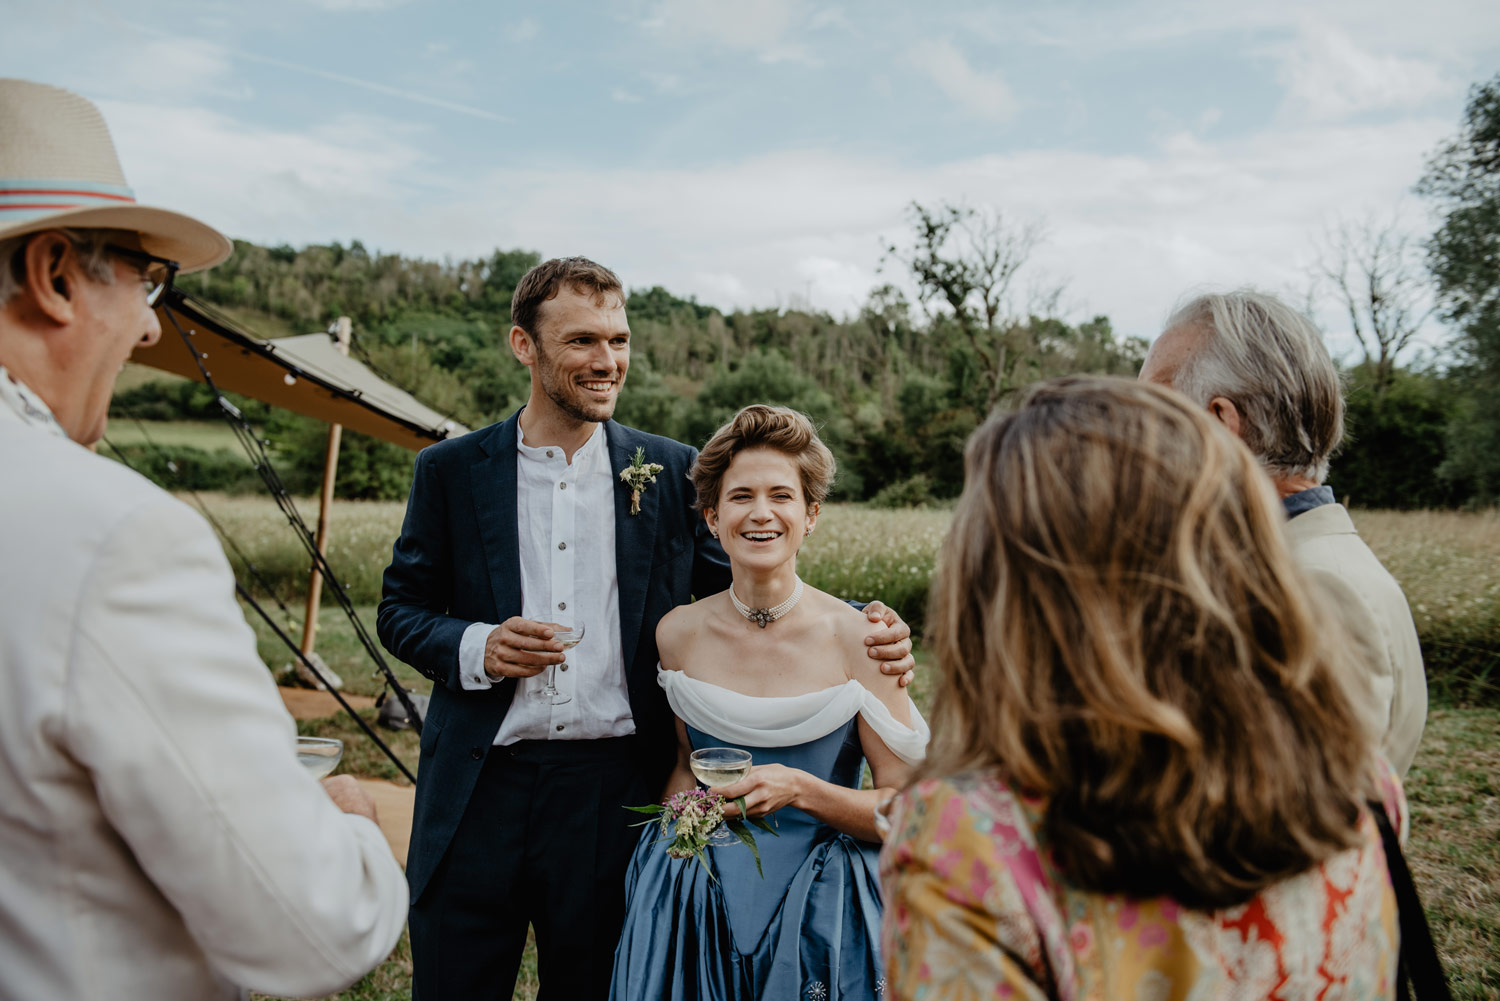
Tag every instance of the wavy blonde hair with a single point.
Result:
(1119, 627)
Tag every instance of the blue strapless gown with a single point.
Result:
(808, 931)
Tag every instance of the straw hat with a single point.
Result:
(58, 168)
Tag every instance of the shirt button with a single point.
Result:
(476, 753)
(559, 728)
(562, 486)
(562, 606)
(549, 453)
(564, 667)
(562, 545)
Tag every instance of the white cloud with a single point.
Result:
(1129, 234)
(193, 65)
(831, 280)
(624, 96)
(355, 6)
(986, 95)
(525, 30)
(666, 84)
(337, 181)
(1329, 77)
(1446, 29)
(758, 26)
(712, 286)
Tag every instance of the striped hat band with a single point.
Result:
(23, 199)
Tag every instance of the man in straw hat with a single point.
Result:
(159, 838)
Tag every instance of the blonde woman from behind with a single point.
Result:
(1148, 776)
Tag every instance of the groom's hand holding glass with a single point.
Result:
(521, 648)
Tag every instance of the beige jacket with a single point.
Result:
(158, 839)
(1327, 545)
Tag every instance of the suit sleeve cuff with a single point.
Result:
(471, 657)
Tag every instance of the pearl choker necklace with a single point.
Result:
(761, 616)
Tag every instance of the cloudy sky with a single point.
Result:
(763, 152)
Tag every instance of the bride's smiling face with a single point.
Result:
(763, 514)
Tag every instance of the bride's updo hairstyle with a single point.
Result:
(762, 426)
(1119, 627)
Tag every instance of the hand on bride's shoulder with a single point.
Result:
(859, 666)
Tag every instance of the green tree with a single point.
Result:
(967, 260)
(1398, 424)
(1463, 177)
(1375, 272)
(767, 376)
(369, 469)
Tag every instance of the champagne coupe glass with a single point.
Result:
(569, 637)
(319, 755)
(720, 766)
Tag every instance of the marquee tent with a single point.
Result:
(305, 374)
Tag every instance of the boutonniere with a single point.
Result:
(637, 475)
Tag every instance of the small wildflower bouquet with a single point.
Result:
(697, 814)
(637, 475)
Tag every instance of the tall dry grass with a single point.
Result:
(1448, 562)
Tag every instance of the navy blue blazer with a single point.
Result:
(457, 562)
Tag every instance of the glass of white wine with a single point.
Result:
(720, 766)
(319, 755)
(569, 637)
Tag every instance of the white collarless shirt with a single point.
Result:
(565, 522)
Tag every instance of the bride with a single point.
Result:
(778, 669)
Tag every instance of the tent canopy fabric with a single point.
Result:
(305, 374)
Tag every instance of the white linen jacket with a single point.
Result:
(1325, 542)
(157, 837)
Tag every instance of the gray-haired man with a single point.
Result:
(1261, 368)
(159, 838)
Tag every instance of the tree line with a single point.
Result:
(897, 389)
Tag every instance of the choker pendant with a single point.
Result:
(762, 616)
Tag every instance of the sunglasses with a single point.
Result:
(156, 272)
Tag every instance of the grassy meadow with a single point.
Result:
(210, 436)
(1448, 563)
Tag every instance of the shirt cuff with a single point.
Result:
(471, 657)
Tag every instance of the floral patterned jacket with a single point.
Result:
(976, 909)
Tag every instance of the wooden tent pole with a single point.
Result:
(343, 333)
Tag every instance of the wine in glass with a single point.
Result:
(569, 637)
(720, 766)
(319, 755)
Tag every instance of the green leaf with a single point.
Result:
(765, 825)
(742, 832)
(653, 808)
(704, 863)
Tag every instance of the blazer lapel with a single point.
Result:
(634, 535)
(492, 482)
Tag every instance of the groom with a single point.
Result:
(527, 523)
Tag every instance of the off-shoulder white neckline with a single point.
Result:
(789, 720)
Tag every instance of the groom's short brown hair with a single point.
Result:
(544, 281)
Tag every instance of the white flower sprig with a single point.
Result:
(637, 475)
